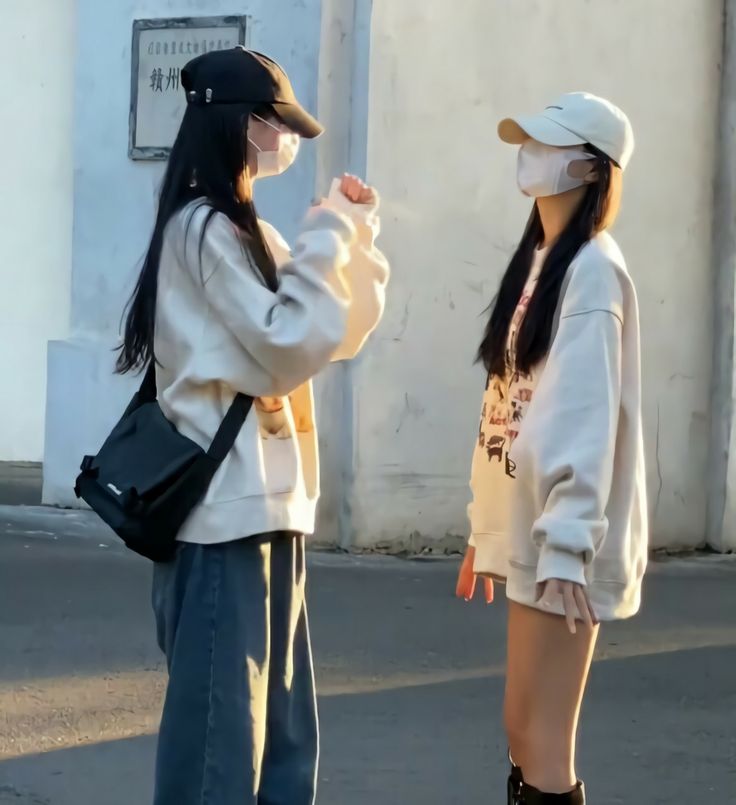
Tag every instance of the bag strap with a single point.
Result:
(147, 390)
(230, 427)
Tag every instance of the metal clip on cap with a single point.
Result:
(208, 95)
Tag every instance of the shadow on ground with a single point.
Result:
(410, 681)
(439, 744)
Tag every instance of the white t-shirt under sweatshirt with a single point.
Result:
(558, 482)
(220, 330)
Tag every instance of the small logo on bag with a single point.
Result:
(114, 489)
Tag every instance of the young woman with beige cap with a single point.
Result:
(559, 500)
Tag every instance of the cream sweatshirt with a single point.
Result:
(558, 481)
(220, 330)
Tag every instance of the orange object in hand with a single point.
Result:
(467, 579)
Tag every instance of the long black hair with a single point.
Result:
(208, 161)
(535, 334)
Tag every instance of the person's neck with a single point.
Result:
(556, 212)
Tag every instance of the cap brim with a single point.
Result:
(299, 120)
(516, 131)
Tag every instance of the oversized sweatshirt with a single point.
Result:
(220, 330)
(558, 480)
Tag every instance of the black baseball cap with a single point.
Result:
(241, 76)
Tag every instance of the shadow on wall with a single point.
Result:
(20, 483)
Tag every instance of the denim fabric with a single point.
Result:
(239, 725)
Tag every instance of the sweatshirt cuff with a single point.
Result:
(326, 218)
(360, 213)
(563, 565)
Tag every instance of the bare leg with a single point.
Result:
(547, 670)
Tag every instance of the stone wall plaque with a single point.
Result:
(161, 48)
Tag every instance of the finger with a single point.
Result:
(460, 583)
(463, 582)
(547, 591)
(581, 599)
(466, 582)
(584, 608)
(568, 600)
(488, 583)
(591, 608)
(350, 187)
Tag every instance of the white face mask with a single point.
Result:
(274, 163)
(542, 170)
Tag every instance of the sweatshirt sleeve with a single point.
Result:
(293, 332)
(366, 274)
(574, 430)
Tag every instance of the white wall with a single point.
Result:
(442, 75)
(36, 62)
(114, 201)
(419, 93)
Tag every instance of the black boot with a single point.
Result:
(532, 796)
(516, 780)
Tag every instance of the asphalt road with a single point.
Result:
(410, 680)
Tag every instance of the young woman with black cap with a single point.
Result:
(222, 306)
(559, 498)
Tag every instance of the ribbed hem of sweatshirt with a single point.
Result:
(611, 601)
(491, 552)
(216, 523)
(557, 564)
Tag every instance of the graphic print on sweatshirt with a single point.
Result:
(503, 411)
(507, 398)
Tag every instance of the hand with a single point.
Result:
(467, 579)
(356, 190)
(575, 602)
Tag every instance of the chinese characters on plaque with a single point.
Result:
(161, 48)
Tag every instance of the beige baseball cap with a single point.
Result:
(576, 118)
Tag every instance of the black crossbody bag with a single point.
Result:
(147, 477)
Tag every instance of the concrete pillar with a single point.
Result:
(343, 110)
(37, 62)
(721, 523)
